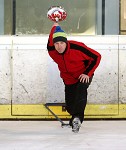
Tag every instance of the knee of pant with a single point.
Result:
(83, 85)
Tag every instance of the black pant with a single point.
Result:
(76, 99)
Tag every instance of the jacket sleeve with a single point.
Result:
(50, 45)
(94, 59)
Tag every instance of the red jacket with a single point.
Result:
(78, 59)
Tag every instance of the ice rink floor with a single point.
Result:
(48, 135)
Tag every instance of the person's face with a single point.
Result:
(60, 46)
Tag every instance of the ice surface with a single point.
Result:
(48, 135)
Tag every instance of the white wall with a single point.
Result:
(29, 76)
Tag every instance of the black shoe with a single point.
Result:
(76, 124)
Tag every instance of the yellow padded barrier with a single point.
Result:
(40, 112)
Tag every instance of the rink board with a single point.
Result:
(40, 112)
(29, 78)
